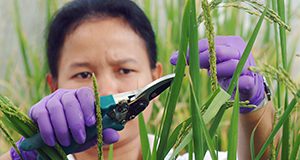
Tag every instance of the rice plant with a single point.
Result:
(195, 109)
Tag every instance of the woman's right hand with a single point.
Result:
(65, 114)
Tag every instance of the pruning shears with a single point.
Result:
(118, 109)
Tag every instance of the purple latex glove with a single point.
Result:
(66, 113)
(229, 50)
(28, 155)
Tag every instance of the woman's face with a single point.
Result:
(109, 48)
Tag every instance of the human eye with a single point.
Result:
(83, 75)
(125, 71)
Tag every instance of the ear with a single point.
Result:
(157, 71)
(52, 82)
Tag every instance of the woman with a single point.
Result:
(114, 39)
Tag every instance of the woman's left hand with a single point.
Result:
(229, 50)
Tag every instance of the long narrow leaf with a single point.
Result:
(237, 72)
(144, 138)
(286, 125)
(246, 54)
(233, 130)
(111, 152)
(284, 117)
(296, 147)
(175, 88)
(217, 99)
(195, 83)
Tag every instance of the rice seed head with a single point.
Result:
(99, 118)
(210, 36)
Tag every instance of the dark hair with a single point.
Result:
(77, 11)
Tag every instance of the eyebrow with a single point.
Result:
(80, 64)
(114, 62)
(123, 61)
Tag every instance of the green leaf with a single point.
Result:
(246, 54)
(174, 90)
(22, 40)
(233, 130)
(286, 126)
(214, 104)
(252, 149)
(111, 152)
(144, 138)
(198, 124)
(237, 72)
(296, 147)
(284, 117)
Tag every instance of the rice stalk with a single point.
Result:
(99, 118)
(182, 133)
(212, 51)
(279, 74)
(9, 138)
(257, 8)
(271, 14)
(273, 145)
(26, 127)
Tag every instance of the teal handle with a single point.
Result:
(106, 104)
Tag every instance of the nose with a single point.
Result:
(107, 85)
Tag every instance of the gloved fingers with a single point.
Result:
(79, 148)
(74, 117)
(223, 53)
(226, 69)
(174, 58)
(233, 41)
(247, 87)
(45, 126)
(86, 99)
(202, 45)
(110, 136)
(58, 121)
